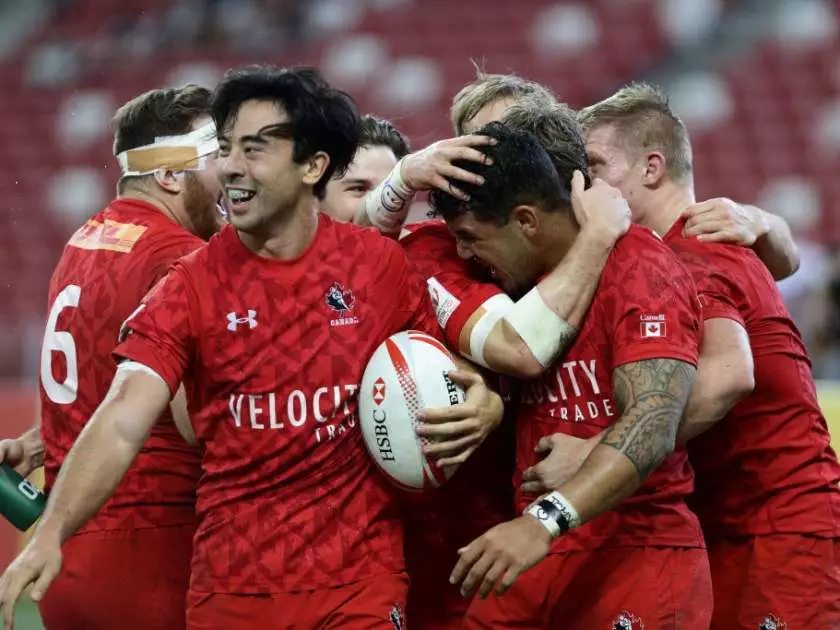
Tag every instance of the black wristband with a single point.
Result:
(552, 511)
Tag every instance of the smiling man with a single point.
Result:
(295, 524)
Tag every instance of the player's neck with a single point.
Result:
(560, 235)
(170, 213)
(287, 237)
(666, 209)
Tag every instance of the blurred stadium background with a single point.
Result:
(757, 82)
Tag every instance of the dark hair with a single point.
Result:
(521, 173)
(377, 132)
(168, 112)
(321, 117)
(556, 127)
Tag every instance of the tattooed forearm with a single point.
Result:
(651, 396)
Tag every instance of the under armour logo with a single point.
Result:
(234, 321)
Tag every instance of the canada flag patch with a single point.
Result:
(653, 326)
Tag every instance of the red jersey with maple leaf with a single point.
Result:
(767, 467)
(271, 354)
(480, 494)
(107, 267)
(645, 308)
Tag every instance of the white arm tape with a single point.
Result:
(127, 367)
(539, 327)
(387, 205)
(496, 308)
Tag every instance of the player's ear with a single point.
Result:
(527, 219)
(170, 181)
(654, 168)
(314, 167)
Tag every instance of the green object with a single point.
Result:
(21, 503)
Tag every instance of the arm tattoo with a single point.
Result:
(651, 396)
(566, 338)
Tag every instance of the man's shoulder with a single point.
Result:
(429, 237)
(735, 262)
(641, 245)
(365, 242)
(642, 265)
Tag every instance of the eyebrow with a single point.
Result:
(274, 130)
(356, 180)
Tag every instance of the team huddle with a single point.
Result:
(640, 444)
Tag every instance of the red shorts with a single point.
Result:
(625, 587)
(127, 579)
(376, 602)
(791, 580)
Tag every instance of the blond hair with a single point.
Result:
(556, 127)
(488, 88)
(643, 117)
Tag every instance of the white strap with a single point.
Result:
(187, 151)
(539, 326)
(387, 205)
(496, 308)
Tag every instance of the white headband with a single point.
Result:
(188, 151)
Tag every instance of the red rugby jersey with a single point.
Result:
(767, 467)
(645, 307)
(107, 267)
(271, 353)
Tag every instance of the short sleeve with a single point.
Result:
(160, 334)
(719, 297)
(652, 308)
(455, 291)
(713, 274)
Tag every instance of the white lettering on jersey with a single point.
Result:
(562, 391)
(325, 410)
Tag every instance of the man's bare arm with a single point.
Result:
(104, 451)
(567, 291)
(181, 416)
(724, 376)
(776, 247)
(386, 206)
(651, 396)
(92, 470)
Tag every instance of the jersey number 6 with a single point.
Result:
(60, 341)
